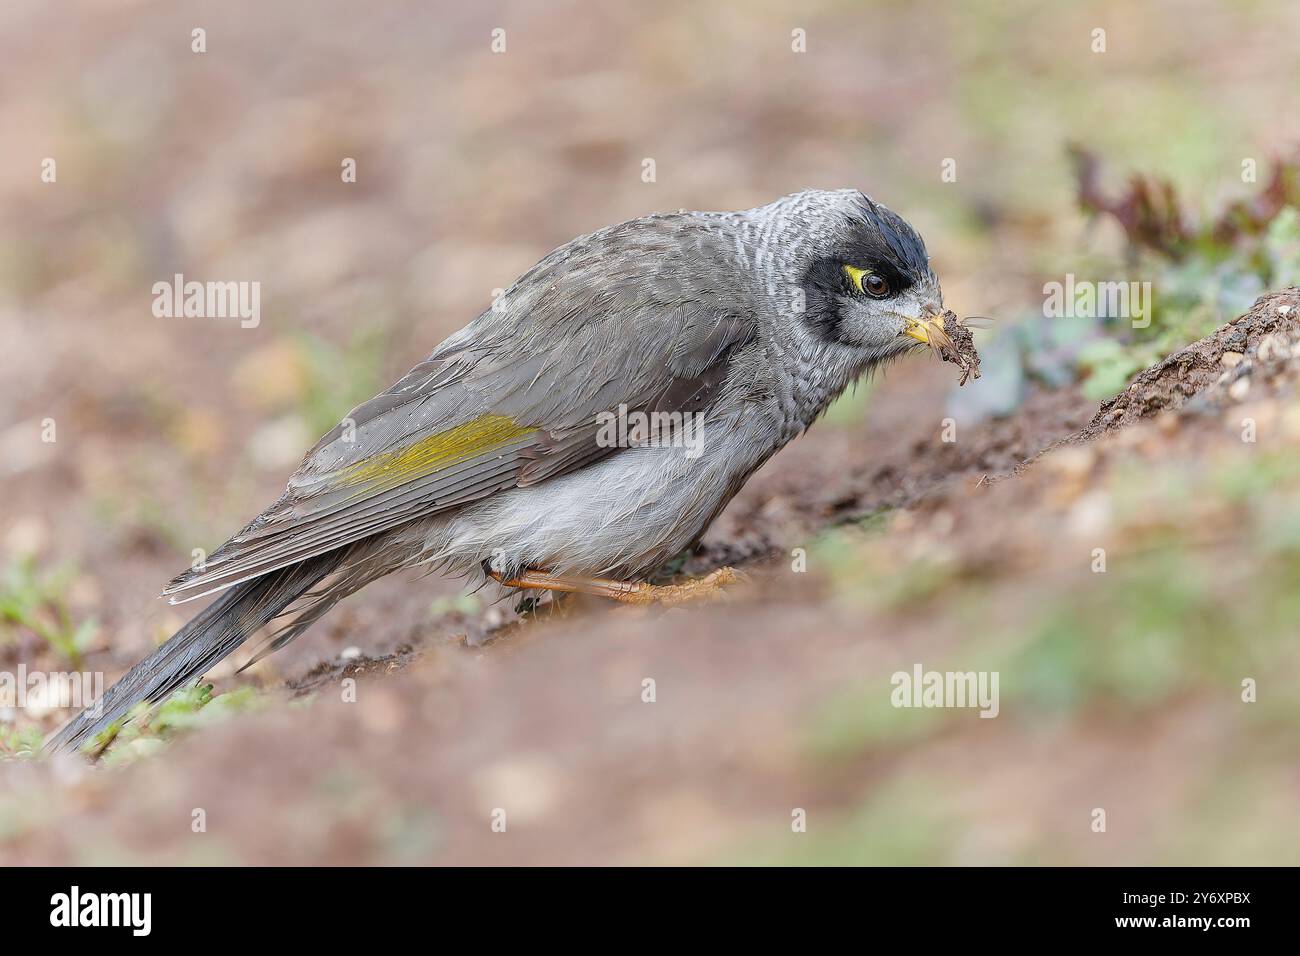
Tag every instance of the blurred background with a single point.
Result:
(1119, 691)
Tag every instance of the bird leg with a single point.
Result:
(709, 587)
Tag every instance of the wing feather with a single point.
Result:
(511, 399)
(269, 548)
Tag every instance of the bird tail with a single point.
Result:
(214, 633)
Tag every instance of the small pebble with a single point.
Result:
(1073, 462)
(1272, 346)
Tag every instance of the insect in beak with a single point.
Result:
(928, 331)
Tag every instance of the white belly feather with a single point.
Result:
(624, 515)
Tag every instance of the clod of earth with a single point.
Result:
(1251, 346)
(957, 345)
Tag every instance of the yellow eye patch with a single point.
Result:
(867, 282)
(856, 276)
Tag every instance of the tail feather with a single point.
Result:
(215, 632)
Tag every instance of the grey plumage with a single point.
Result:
(489, 450)
(215, 632)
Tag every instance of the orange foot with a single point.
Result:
(708, 588)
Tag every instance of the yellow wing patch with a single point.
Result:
(435, 452)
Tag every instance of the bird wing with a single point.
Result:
(513, 399)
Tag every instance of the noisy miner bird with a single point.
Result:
(495, 452)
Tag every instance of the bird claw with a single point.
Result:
(712, 587)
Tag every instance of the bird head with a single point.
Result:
(866, 277)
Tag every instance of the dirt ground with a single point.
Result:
(873, 543)
(547, 722)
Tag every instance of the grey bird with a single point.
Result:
(496, 454)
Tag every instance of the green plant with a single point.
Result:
(36, 601)
(150, 728)
(1203, 271)
(340, 377)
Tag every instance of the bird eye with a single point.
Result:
(867, 282)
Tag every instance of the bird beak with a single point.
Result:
(918, 329)
(928, 330)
